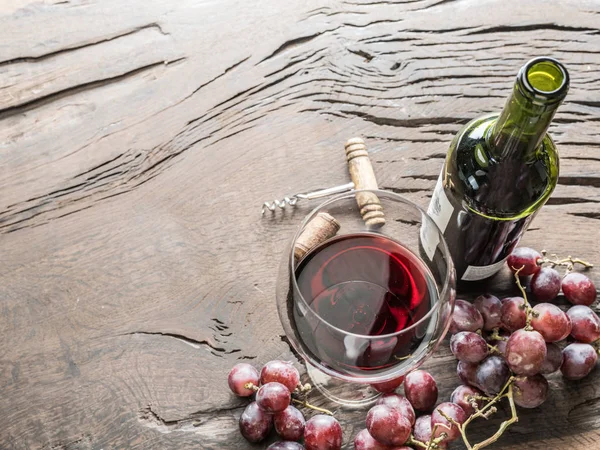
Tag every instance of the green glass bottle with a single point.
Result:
(500, 170)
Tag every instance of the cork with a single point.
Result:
(363, 177)
(322, 227)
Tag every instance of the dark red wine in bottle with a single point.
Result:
(500, 170)
(362, 289)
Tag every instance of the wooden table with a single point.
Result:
(138, 140)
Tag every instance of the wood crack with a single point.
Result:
(83, 45)
(225, 72)
(569, 200)
(589, 215)
(531, 27)
(363, 54)
(406, 123)
(593, 402)
(290, 44)
(180, 337)
(404, 190)
(150, 418)
(22, 107)
(579, 181)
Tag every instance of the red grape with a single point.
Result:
(579, 360)
(524, 257)
(490, 308)
(530, 392)
(492, 374)
(289, 424)
(444, 426)
(239, 375)
(285, 445)
(255, 423)
(421, 390)
(465, 317)
(586, 324)
(467, 373)
(273, 397)
(551, 322)
(578, 289)
(386, 387)
(322, 432)
(469, 347)
(282, 372)
(422, 431)
(525, 352)
(545, 284)
(513, 313)
(387, 425)
(460, 396)
(400, 403)
(553, 360)
(364, 441)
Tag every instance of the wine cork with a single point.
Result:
(361, 172)
(322, 227)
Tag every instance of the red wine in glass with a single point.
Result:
(364, 295)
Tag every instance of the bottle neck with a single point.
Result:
(541, 86)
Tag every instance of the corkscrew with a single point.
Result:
(363, 177)
(293, 199)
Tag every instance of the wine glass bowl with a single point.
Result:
(369, 304)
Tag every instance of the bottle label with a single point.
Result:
(440, 211)
(474, 273)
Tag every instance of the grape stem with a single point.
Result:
(496, 336)
(251, 386)
(431, 444)
(568, 262)
(530, 313)
(494, 350)
(486, 411)
(412, 441)
(308, 405)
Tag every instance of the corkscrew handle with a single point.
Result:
(363, 177)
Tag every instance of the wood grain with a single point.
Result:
(138, 141)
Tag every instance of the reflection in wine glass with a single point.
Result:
(366, 305)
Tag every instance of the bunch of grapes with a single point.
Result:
(275, 388)
(505, 348)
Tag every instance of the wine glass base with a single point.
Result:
(347, 395)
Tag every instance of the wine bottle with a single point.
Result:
(499, 171)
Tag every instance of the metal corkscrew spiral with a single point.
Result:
(293, 199)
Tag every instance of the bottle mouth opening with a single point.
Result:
(545, 78)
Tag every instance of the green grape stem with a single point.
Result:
(415, 443)
(526, 306)
(310, 406)
(485, 412)
(494, 350)
(496, 336)
(431, 444)
(568, 262)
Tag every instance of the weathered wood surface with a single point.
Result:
(138, 140)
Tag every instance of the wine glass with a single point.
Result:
(370, 303)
